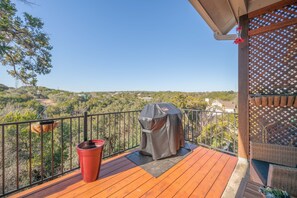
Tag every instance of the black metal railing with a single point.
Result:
(120, 130)
(212, 129)
(36, 151)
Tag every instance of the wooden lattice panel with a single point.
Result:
(273, 71)
(272, 62)
(276, 16)
(273, 125)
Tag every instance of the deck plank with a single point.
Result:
(186, 176)
(106, 174)
(190, 186)
(202, 173)
(208, 181)
(161, 186)
(151, 183)
(72, 177)
(219, 186)
(131, 187)
(91, 188)
(119, 185)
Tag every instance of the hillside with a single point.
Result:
(3, 87)
(41, 102)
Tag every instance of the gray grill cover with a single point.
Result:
(162, 131)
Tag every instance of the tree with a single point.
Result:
(24, 47)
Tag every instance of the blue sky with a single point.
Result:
(116, 45)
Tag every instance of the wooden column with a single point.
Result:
(243, 91)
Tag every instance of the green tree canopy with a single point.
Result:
(24, 47)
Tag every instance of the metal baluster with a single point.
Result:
(119, 120)
(114, 131)
(133, 136)
(41, 145)
(97, 127)
(104, 129)
(129, 128)
(202, 125)
(234, 143)
(62, 148)
(183, 123)
(3, 161)
(223, 132)
(124, 131)
(132, 141)
(216, 132)
(188, 126)
(78, 131)
(196, 124)
(17, 155)
(132, 129)
(192, 138)
(91, 123)
(30, 153)
(109, 123)
(135, 129)
(52, 151)
(228, 120)
(139, 134)
(211, 129)
(70, 143)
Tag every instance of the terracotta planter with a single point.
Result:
(264, 100)
(283, 101)
(90, 155)
(253, 102)
(290, 101)
(270, 101)
(276, 101)
(258, 101)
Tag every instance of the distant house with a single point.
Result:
(222, 106)
(217, 103)
(229, 106)
(146, 98)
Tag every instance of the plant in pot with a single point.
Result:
(44, 126)
(273, 192)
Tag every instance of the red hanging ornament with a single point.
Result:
(238, 29)
(239, 39)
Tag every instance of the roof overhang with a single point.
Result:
(223, 15)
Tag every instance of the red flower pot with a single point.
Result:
(90, 155)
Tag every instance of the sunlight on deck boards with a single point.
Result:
(203, 173)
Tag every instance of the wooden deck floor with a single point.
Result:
(203, 173)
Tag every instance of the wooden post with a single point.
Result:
(243, 90)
